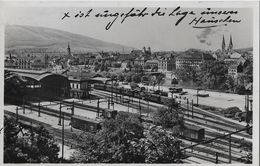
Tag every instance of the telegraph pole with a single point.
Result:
(108, 104)
(98, 108)
(72, 108)
(128, 105)
(39, 109)
(60, 115)
(62, 148)
(229, 149)
(192, 108)
(17, 114)
(187, 107)
(197, 97)
(23, 106)
(216, 157)
(140, 105)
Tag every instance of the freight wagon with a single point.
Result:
(85, 124)
(194, 133)
(188, 132)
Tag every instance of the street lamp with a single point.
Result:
(198, 89)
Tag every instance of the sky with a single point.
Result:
(158, 32)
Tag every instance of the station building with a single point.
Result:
(42, 84)
(81, 83)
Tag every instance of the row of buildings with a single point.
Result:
(157, 61)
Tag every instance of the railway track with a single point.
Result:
(55, 132)
(199, 117)
(205, 149)
(70, 141)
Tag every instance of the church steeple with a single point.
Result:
(230, 47)
(68, 50)
(223, 44)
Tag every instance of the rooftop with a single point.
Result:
(33, 74)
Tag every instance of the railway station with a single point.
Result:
(42, 84)
(63, 98)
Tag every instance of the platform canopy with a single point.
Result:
(33, 74)
(100, 80)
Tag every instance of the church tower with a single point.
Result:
(223, 44)
(68, 50)
(230, 47)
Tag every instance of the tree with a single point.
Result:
(229, 84)
(126, 140)
(161, 146)
(96, 66)
(187, 73)
(216, 72)
(117, 65)
(240, 89)
(128, 77)
(152, 80)
(147, 66)
(129, 65)
(160, 80)
(133, 85)
(121, 77)
(22, 145)
(248, 67)
(155, 69)
(169, 118)
(14, 85)
(103, 66)
(136, 78)
(114, 143)
(145, 79)
(247, 158)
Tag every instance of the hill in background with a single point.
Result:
(28, 37)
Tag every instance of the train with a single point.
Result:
(175, 89)
(159, 97)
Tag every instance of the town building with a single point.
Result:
(232, 59)
(24, 62)
(81, 82)
(166, 63)
(140, 61)
(193, 58)
(152, 63)
(79, 87)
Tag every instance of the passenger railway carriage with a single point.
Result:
(161, 98)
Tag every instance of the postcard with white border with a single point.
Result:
(129, 82)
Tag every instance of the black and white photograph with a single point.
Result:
(128, 82)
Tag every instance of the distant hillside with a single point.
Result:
(244, 50)
(21, 37)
